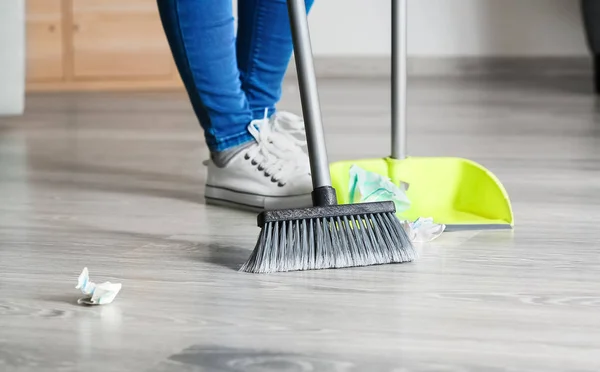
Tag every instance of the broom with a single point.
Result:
(326, 235)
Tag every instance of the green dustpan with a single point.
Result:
(453, 191)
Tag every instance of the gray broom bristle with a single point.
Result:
(330, 242)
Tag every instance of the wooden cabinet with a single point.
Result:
(44, 40)
(97, 44)
(119, 39)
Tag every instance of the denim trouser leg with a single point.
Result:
(228, 80)
(201, 35)
(264, 49)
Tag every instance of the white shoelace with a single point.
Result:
(275, 153)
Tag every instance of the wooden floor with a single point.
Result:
(114, 182)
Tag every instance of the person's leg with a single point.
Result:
(201, 35)
(250, 166)
(264, 48)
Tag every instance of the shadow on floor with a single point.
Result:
(94, 177)
(218, 253)
(62, 298)
(227, 256)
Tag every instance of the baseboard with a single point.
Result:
(379, 67)
(375, 67)
(104, 85)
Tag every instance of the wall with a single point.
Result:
(451, 28)
(12, 56)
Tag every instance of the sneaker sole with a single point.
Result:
(252, 202)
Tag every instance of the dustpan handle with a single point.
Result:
(399, 47)
(309, 95)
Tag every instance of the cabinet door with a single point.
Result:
(44, 40)
(119, 39)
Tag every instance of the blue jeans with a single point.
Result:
(230, 81)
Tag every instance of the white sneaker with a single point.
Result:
(273, 173)
(291, 126)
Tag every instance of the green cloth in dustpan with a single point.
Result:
(368, 186)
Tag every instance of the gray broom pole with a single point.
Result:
(399, 48)
(311, 108)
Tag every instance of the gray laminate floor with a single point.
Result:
(114, 182)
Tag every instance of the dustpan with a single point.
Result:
(457, 192)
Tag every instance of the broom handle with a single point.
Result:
(311, 109)
(399, 47)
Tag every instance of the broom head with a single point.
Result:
(333, 236)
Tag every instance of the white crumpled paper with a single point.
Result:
(423, 230)
(96, 294)
(368, 186)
